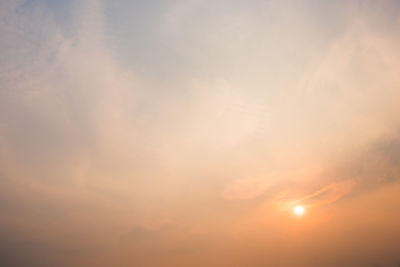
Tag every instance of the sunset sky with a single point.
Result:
(199, 133)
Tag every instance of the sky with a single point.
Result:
(183, 133)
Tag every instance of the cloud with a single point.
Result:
(246, 188)
(170, 131)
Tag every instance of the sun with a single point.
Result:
(299, 210)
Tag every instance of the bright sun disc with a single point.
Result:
(299, 210)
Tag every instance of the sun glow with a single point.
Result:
(299, 210)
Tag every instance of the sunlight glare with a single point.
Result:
(299, 210)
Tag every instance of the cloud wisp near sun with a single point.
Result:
(199, 133)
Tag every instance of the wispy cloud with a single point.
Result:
(168, 129)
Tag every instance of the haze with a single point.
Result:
(182, 133)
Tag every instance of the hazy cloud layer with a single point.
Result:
(182, 133)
